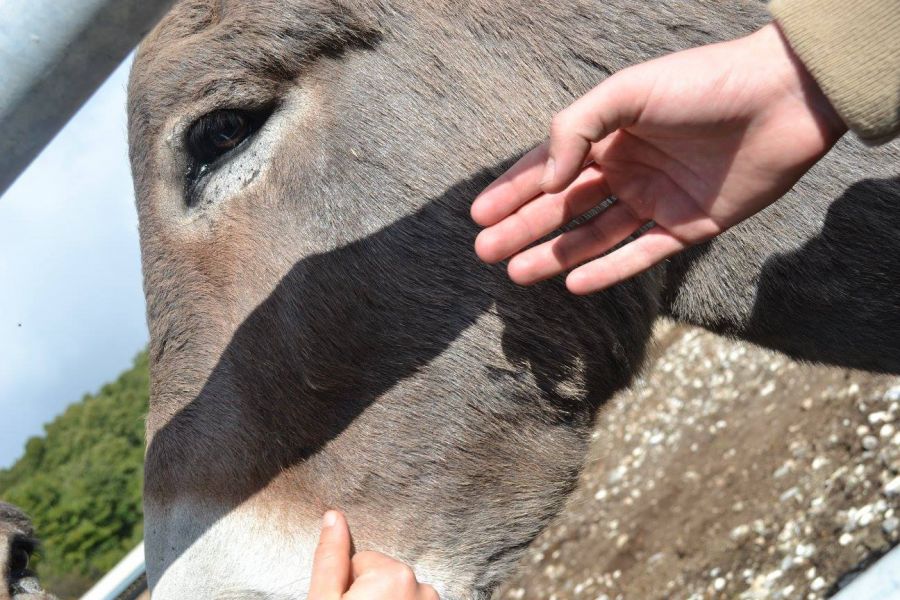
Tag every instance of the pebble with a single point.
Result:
(554, 571)
(886, 431)
(786, 563)
(805, 550)
(892, 487)
(893, 394)
(790, 494)
(719, 584)
(740, 532)
(890, 525)
(817, 584)
(845, 539)
(759, 526)
(850, 518)
(617, 474)
(869, 442)
(880, 417)
(789, 532)
(783, 469)
(820, 461)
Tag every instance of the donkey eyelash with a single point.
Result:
(215, 136)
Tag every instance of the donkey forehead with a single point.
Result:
(234, 52)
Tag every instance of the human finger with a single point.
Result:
(542, 216)
(572, 248)
(612, 105)
(653, 246)
(379, 577)
(519, 184)
(331, 561)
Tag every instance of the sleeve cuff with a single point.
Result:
(852, 50)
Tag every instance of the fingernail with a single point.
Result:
(330, 519)
(575, 282)
(549, 171)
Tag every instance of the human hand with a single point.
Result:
(364, 576)
(695, 142)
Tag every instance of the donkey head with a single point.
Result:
(321, 332)
(17, 544)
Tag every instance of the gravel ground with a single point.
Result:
(727, 471)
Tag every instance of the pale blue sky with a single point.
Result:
(71, 305)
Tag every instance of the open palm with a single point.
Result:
(693, 143)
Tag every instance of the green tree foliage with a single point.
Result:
(81, 483)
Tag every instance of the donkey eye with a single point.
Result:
(219, 132)
(19, 562)
(212, 137)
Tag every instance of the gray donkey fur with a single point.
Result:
(321, 332)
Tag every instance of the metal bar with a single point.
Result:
(53, 55)
(121, 579)
(880, 581)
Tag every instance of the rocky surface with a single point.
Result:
(727, 471)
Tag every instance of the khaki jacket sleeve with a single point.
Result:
(852, 49)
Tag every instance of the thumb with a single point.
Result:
(615, 103)
(331, 563)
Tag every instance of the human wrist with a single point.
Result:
(853, 51)
(793, 79)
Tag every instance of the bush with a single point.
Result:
(81, 483)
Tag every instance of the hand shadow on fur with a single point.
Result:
(370, 315)
(344, 328)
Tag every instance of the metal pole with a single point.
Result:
(53, 55)
(880, 581)
(121, 579)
